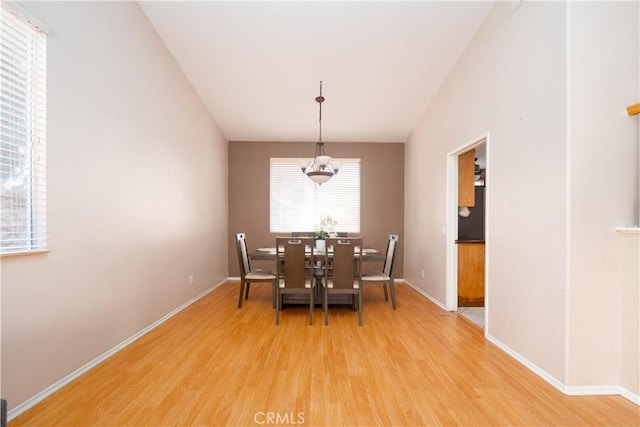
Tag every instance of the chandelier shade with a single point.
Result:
(322, 167)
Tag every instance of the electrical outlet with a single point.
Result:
(192, 279)
(422, 274)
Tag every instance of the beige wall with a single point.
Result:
(562, 176)
(605, 78)
(628, 251)
(144, 190)
(511, 83)
(382, 191)
(137, 198)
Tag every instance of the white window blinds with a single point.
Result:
(299, 204)
(22, 134)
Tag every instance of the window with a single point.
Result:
(22, 133)
(299, 204)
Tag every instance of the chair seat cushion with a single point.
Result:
(260, 275)
(375, 276)
(282, 284)
(329, 284)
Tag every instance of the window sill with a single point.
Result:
(634, 229)
(12, 254)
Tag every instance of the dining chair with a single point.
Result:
(247, 275)
(342, 272)
(385, 277)
(295, 258)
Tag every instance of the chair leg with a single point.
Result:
(273, 292)
(241, 292)
(359, 296)
(278, 305)
(311, 304)
(386, 296)
(246, 294)
(325, 304)
(393, 293)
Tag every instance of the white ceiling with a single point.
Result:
(257, 65)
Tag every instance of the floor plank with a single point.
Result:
(216, 365)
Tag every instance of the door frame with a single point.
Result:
(451, 290)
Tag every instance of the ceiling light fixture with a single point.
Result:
(322, 167)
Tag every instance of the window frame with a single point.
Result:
(23, 224)
(313, 197)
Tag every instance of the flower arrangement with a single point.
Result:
(327, 223)
(321, 235)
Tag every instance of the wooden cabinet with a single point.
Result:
(471, 274)
(466, 178)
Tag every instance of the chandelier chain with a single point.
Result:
(320, 99)
(322, 167)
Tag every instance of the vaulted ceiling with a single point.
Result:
(257, 65)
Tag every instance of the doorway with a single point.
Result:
(464, 238)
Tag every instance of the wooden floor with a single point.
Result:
(216, 365)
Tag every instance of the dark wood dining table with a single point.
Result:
(269, 254)
(369, 255)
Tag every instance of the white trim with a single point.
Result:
(565, 389)
(632, 397)
(536, 370)
(633, 229)
(24, 253)
(574, 391)
(568, 390)
(567, 220)
(19, 9)
(27, 404)
(427, 296)
(487, 232)
(451, 233)
(611, 390)
(451, 286)
(591, 390)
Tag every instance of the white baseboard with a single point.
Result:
(426, 295)
(602, 391)
(591, 390)
(635, 398)
(19, 409)
(526, 362)
(568, 390)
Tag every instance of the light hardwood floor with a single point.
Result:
(216, 365)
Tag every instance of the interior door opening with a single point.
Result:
(467, 233)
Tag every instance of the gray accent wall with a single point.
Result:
(381, 198)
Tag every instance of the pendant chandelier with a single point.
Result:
(322, 167)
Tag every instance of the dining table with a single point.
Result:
(369, 255)
(269, 254)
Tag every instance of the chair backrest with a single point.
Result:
(390, 257)
(243, 254)
(342, 261)
(303, 234)
(292, 260)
